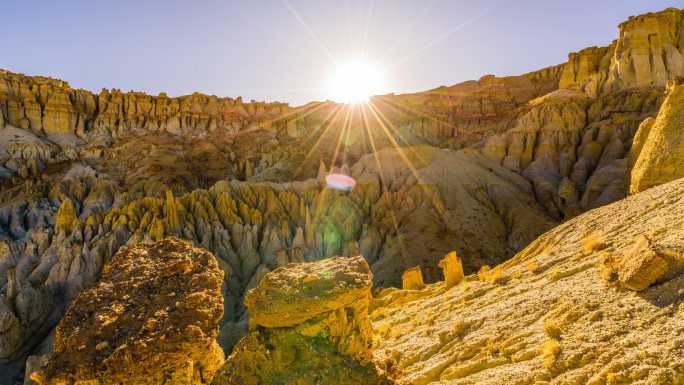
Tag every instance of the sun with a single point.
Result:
(356, 81)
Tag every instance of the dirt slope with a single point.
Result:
(555, 313)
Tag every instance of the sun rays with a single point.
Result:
(357, 123)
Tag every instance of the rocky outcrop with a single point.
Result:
(152, 318)
(660, 157)
(547, 315)
(573, 148)
(647, 53)
(586, 70)
(51, 106)
(309, 326)
(412, 279)
(571, 143)
(452, 267)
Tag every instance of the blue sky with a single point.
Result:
(287, 50)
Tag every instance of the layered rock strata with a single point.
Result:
(647, 53)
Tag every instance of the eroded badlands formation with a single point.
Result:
(483, 168)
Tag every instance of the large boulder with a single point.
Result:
(298, 292)
(309, 325)
(151, 319)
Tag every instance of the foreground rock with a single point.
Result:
(563, 311)
(152, 319)
(309, 326)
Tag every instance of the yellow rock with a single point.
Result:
(643, 265)
(412, 279)
(66, 215)
(452, 268)
(294, 293)
(661, 158)
(120, 331)
(313, 327)
(562, 322)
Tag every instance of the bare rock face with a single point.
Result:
(639, 141)
(309, 326)
(647, 53)
(412, 279)
(572, 148)
(10, 330)
(585, 70)
(661, 157)
(152, 318)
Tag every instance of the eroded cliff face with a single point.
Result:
(660, 153)
(648, 53)
(53, 124)
(83, 174)
(573, 144)
(574, 148)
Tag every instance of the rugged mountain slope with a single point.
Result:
(258, 137)
(548, 315)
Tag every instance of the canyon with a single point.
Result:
(557, 192)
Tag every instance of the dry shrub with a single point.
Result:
(459, 327)
(552, 329)
(494, 275)
(550, 351)
(532, 266)
(607, 267)
(592, 242)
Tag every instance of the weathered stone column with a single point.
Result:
(453, 269)
(412, 279)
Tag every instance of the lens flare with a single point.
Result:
(340, 182)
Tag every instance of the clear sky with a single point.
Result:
(288, 50)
